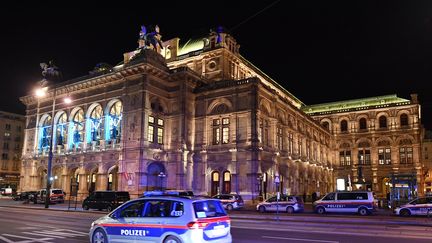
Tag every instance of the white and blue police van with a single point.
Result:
(419, 206)
(361, 202)
(165, 219)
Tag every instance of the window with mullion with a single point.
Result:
(280, 138)
(155, 130)
(364, 156)
(345, 158)
(220, 131)
(406, 155)
(290, 142)
(384, 156)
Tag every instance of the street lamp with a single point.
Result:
(161, 175)
(41, 92)
(277, 182)
(260, 180)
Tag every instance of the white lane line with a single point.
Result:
(6, 239)
(58, 233)
(73, 231)
(298, 239)
(42, 234)
(28, 238)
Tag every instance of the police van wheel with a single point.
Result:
(363, 211)
(262, 209)
(290, 210)
(405, 213)
(230, 207)
(172, 239)
(109, 208)
(320, 210)
(86, 207)
(99, 236)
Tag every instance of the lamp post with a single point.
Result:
(161, 175)
(277, 182)
(41, 92)
(260, 180)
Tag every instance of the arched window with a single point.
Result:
(404, 120)
(78, 127)
(45, 133)
(226, 182)
(362, 124)
(326, 125)
(115, 117)
(344, 126)
(156, 124)
(96, 123)
(61, 129)
(215, 182)
(382, 122)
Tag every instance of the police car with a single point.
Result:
(167, 219)
(361, 202)
(419, 206)
(285, 203)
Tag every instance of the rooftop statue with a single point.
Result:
(50, 70)
(150, 40)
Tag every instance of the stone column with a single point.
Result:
(65, 179)
(232, 167)
(102, 181)
(83, 184)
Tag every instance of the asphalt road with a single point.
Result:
(27, 225)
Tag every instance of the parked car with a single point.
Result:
(361, 202)
(164, 219)
(418, 206)
(108, 200)
(29, 195)
(57, 195)
(230, 201)
(289, 204)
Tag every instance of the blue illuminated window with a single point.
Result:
(61, 129)
(96, 123)
(78, 127)
(115, 117)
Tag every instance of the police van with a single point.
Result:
(361, 202)
(419, 206)
(164, 219)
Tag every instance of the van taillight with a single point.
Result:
(197, 225)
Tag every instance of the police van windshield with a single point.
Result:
(208, 209)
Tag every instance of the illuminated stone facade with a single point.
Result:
(196, 117)
(378, 143)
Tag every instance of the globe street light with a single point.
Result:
(161, 175)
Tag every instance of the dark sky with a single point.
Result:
(320, 51)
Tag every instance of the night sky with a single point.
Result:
(320, 51)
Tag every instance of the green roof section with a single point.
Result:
(356, 104)
(190, 46)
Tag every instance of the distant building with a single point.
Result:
(198, 117)
(11, 140)
(377, 143)
(427, 161)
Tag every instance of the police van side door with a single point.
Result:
(329, 202)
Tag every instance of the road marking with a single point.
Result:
(47, 236)
(43, 234)
(298, 239)
(6, 239)
(28, 238)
